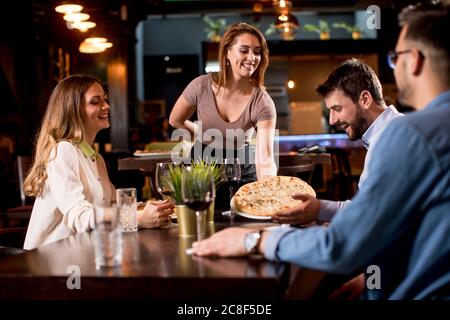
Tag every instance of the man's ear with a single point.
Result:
(417, 61)
(365, 99)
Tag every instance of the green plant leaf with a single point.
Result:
(321, 27)
(174, 181)
(346, 27)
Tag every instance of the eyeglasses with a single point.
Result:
(393, 56)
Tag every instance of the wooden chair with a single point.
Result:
(296, 165)
(343, 183)
(11, 241)
(19, 215)
(7, 181)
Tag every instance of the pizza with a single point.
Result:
(267, 197)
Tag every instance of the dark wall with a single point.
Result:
(25, 82)
(166, 76)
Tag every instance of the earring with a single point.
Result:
(227, 62)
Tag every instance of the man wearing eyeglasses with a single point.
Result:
(399, 220)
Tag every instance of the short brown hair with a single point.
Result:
(352, 77)
(430, 26)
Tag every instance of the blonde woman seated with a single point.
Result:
(67, 176)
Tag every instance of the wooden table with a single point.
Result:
(148, 163)
(155, 266)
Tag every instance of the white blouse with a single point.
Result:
(74, 184)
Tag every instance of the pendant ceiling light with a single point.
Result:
(76, 16)
(94, 45)
(282, 6)
(68, 8)
(286, 23)
(83, 26)
(78, 20)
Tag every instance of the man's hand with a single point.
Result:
(225, 243)
(350, 290)
(304, 213)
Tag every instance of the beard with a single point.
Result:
(358, 126)
(404, 87)
(404, 94)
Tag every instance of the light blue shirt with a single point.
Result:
(370, 138)
(400, 218)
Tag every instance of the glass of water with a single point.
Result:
(127, 203)
(107, 237)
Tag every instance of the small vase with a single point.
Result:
(324, 36)
(210, 212)
(187, 223)
(356, 35)
(215, 38)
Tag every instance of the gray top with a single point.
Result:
(260, 107)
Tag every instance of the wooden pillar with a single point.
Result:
(118, 96)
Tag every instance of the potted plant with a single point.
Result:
(322, 29)
(355, 31)
(203, 170)
(214, 28)
(207, 170)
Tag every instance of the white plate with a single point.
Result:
(153, 155)
(247, 215)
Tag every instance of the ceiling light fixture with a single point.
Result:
(287, 25)
(78, 20)
(94, 45)
(282, 6)
(76, 16)
(83, 26)
(95, 39)
(67, 8)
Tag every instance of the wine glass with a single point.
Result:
(162, 179)
(162, 182)
(197, 191)
(232, 174)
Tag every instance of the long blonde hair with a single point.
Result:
(62, 121)
(227, 41)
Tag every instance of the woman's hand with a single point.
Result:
(155, 214)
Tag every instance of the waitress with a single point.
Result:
(231, 104)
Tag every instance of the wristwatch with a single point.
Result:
(251, 241)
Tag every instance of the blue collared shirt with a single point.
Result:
(370, 138)
(400, 218)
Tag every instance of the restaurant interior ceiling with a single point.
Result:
(110, 12)
(116, 18)
(247, 6)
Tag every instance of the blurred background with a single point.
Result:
(146, 51)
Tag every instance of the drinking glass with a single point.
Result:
(127, 202)
(107, 236)
(232, 174)
(162, 179)
(163, 182)
(197, 191)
